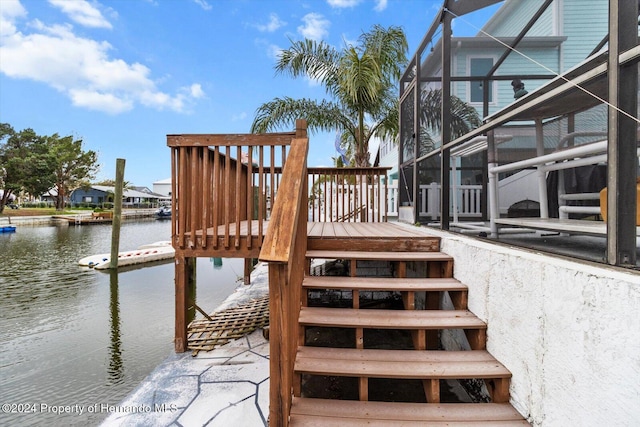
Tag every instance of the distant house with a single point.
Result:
(98, 195)
(163, 187)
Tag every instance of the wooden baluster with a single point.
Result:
(249, 195)
(217, 199)
(238, 196)
(261, 193)
(206, 192)
(227, 196)
(273, 181)
(193, 217)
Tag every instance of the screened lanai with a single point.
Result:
(556, 154)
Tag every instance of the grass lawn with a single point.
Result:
(35, 212)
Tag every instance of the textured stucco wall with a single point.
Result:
(568, 331)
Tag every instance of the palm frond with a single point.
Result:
(389, 46)
(359, 81)
(316, 60)
(463, 116)
(281, 114)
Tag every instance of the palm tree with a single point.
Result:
(464, 118)
(360, 80)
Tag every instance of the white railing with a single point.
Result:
(466, 203)
(351, 203)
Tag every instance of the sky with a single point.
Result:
(123, 74)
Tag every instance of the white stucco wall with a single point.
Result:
(568, 331)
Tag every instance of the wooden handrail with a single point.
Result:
(285, 248)
(284, 217)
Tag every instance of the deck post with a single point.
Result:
(117, 213)
(248, 266)
(184, 286)
(279, 375)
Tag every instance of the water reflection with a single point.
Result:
(71, 335)
(115, 370)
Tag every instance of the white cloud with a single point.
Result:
(315, 26)
(81, 12)
(343, 3)
(203, 4)
(83, 69)
(195, 90)
(273, 51)
(9, 12)
(380, 5)
(94, 100)
(312, 82)
(274, 23)
(238, 117)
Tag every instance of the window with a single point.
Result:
(87, 199)
(479, 67)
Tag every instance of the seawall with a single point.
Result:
(569, 331)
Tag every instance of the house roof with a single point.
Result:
(129, 193)
(432, 62)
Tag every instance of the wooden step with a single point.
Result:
(402, 364)
(380, 256)
(389, 319)
(378, 244)
(349, 413)
(383, 283)
(380, 236)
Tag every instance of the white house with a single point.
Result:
(162, 187)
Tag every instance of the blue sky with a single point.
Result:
(122, 74)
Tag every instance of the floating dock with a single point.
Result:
(146, 253)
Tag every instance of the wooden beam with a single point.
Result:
(229, 140)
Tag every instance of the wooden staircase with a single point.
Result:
(361, 371)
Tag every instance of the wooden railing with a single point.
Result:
(215, 196)
(284, 248)
(213, 192)
(221, 191)
(348, 194)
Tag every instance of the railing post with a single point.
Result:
(284, 248)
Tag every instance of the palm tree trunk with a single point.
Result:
(362, 155)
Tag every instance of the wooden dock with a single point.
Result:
(93, 218)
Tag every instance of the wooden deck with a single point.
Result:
(245, 241)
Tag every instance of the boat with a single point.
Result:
(145, 253)
(7, 229)
(163, 212)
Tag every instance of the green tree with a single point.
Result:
(37, 164)
(73, 165)
(360, 80)
(25, 163)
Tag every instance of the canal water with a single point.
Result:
(74, 339)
